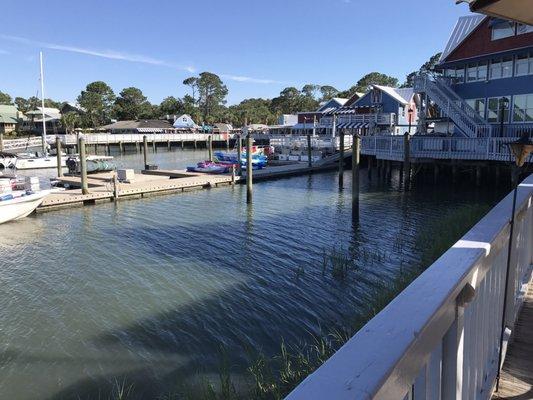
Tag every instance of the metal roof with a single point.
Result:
(463, 28)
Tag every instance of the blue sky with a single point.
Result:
(257, 47)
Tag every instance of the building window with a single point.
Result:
(523, 65)
(476, 72)
(502, 29)
(523, 108)
(478, 105)
(501, 68)
(494, 109)
(523, 28)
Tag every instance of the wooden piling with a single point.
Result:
(356, 154)
(341, 159)
(153, 146)
(227, 143)
(309, 151)
(59, 157)
(406, 159)
(115, 186)
(145, 151)
(249, 169)
(210, 147)
(168, 145)
(1, 141)
(121, 147)
(239, 155)
(83, 166)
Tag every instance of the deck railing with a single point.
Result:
(440, 338)
(391, 147)
(108, 138)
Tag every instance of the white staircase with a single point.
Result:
(465, 118)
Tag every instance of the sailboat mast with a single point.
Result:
(42, 104)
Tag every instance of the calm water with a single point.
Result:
(149, 290)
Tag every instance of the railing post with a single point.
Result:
(452, 358)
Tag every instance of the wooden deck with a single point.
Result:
(516, 381)
(101, 188)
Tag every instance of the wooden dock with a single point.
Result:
(516, 380)
(150, 182)
(102, 188)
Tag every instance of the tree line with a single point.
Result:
(205, 102)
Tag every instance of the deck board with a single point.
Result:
(516, 380)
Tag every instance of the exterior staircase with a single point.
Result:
(465, 118)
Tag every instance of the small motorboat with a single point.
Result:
(16, 206)
(22, 201)
(209, 167)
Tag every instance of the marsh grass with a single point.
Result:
(273, 377)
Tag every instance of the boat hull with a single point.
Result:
(20, 207)
(39, 163)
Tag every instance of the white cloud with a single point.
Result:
(109, 54)
(137, 58)
(239, 78)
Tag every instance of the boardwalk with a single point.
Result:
(517, 375)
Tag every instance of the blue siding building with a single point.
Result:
(486, 88)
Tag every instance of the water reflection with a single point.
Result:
(161, 283)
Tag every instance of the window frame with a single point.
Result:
(528, 106)
(511, 27)
(506, 111)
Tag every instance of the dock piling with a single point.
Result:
(1, 141)
(341, 159)
(210, 146)
(356, 155)
(115, 186)
(239, 155)
(83, 166)
(309, 151)
(59, 157)
(249, 172)
(406, 159)
(145, 151)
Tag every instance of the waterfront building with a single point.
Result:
(485, 87)
(34, 122)
(308, 120)
(10, 118)
(185, 122)
(139, 126)
(382, 110)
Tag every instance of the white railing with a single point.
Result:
(317, 142)
(380, 119)
(464, 116)
(20, 144)
(440, 337)
(391, 147)
(108, 138)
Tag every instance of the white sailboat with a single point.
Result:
(39, 160)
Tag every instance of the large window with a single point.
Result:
(494, 109)
(476, 72)
(523, 28)
(523, 65)
(502, 29)
(478, 105)
(457, 74)
(501, 68)
(523, 108)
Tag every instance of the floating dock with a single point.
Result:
(151, 182)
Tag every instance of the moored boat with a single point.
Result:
(15, 205)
